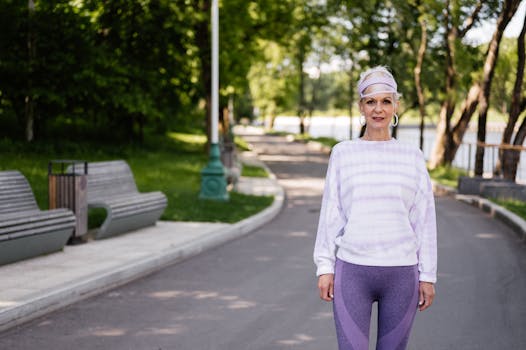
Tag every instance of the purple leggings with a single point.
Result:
(356, 287)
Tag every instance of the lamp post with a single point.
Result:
(213, 181)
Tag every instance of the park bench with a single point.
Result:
(25, 230)
(111, 186)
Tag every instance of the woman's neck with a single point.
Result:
(376, 135)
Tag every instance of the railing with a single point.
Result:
(465, 158)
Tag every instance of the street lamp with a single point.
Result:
(213, 181)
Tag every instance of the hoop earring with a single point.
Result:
(395, 122)
(362, 120)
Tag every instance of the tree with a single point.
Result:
(121, 66)
(454, 13)
(508, 10)
(242, 24)
(418, 74)
(509, 157)
(307, 21)
(273, 81)
(361, 37)
(31, 53)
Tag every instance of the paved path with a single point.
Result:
(259, 292)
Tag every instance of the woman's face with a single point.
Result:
(378, 110)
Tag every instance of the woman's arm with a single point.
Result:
(423, 219)
(331, 221)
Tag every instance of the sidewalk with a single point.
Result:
(35, 287)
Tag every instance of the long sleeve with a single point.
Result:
(332, 219)
(423, 220)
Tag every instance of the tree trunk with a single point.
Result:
(418, 81)
(315, 87)
(468, 107)
(351, 97)
(441, 152)
(31, 53)
(510, 159)
(444, 149)
(508, 10)
(301, 107)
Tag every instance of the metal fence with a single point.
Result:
(465, 158)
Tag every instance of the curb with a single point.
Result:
(53, 300)
(512, 220)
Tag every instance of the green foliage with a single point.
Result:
(505, 75)
(273, 80)
(120, 71)
(97, 66)
(515, 206)
(241, 144)
(253, 171)
(447, 175)
(96, 217)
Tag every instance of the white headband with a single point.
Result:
(389, 85)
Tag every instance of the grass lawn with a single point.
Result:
(253, 171)
(514, 206)
(170, 164)
(447, 175)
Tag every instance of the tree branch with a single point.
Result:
(470, 21)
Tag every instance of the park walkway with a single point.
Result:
(259, 291)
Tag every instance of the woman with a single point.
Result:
(376, 238)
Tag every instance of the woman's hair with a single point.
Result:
(377, 80)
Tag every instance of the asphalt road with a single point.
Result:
(259, 292)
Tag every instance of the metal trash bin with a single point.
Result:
(67, 188)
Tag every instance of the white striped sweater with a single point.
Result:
(377, 209)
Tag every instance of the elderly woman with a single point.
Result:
(376, 238)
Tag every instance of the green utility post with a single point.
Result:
(213, 181)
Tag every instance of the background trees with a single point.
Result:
(118, 70)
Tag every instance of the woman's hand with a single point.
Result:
(326, 286)
(427, 294)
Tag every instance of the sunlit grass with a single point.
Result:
(253, 171)
(447, 175)
(169, 164)
(188, 138)
(515, 206)
(241, 144)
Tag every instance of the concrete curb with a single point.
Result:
(52, 300)
(512, 220)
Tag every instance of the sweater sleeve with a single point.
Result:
(332, 219)
(423, 220)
